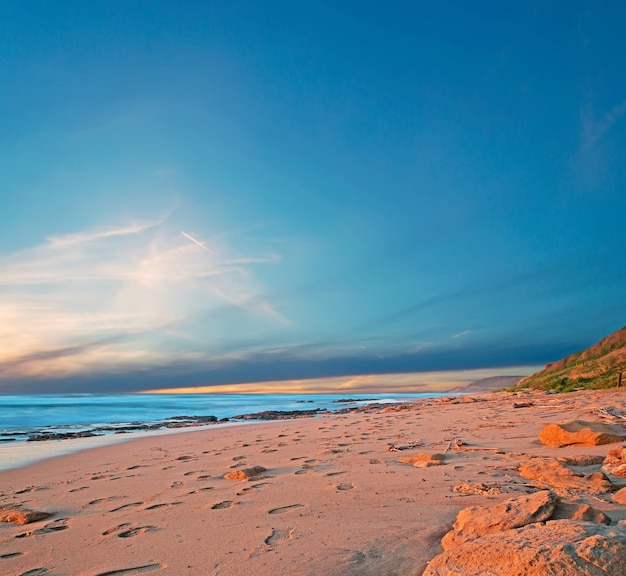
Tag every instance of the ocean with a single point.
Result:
(25, 416)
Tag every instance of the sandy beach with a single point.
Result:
(334, 498)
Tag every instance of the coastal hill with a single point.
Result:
(598, 366)
(488, 384)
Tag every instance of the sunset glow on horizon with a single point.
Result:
(412, 383)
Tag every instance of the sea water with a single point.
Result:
(23, 416)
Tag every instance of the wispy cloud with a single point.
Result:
(115, 297)
(461, 334)
(197, 242)
(594, 129)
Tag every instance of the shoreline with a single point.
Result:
(334, 498)
(17, 455)
(49, 441)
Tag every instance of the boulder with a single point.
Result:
(620, 496)
(245, 473)
(551, 472)
(573, 511)
(615, 461)
(556, 548)
(581, 432)
(21, 515)
(476, 521)
(424, 460)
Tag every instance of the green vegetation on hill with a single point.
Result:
(596, 367)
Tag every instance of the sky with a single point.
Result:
(204, 193)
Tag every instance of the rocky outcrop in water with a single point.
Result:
(280, 414)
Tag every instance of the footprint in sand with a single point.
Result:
(222, 505)
(284, 509)
(279, 536)
(164, 505)
(131, 505)
(32, 489)
(116, 529)
(255, 486)
(55, 526)
(10, 555)
(98, 500)
(136, 531)
(135, 570)
(123, 530)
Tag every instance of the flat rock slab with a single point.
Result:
(556, 548)
(476, 521)
(551, 472)
(581, 432)
(581, 460)
(477, 488)
(21, 515)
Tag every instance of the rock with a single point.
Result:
(581, 460)
(281, 414)
(395, 408)
(245, 473)
(476, 521)
(581, 432)
(572, 511)
(477, 488)
(551, 472)
(61, 436)
(523, 404)
(620, 496)
(556, 548)
(21, 515)
(424, 460)
(615, 461)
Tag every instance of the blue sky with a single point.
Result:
(201, 193)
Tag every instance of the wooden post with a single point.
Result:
(619, 380)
